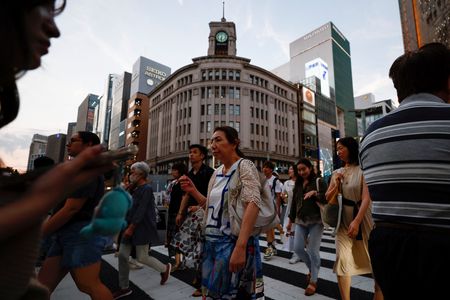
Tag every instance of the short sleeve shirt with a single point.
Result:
(269, 187)
(200, 180)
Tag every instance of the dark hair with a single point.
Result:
(307, 162)
(294, 167)
(425, 70)
(232, 137)
(89, 137)
(311, 177)
(42, 162)
(202, 149)
(181, 168)
(269, 164)
(13, 36)
(353, 149)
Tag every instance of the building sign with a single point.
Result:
(147, 74)
(308, 96)
(319, 68)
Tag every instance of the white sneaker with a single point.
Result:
(294, 259)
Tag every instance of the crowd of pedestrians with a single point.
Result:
(395, 194)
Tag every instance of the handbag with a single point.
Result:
(331, 212)
(267, 217)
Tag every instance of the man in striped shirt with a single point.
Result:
(405, 157)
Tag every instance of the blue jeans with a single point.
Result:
(311, 256)
(76, 251)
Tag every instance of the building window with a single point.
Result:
(189, 112)
(202, 126)
(217, 75)
(238, 75)
(252, 112)
(202, 110)
(252, 144)
(136, 123)
(208, 126)
(257, 113)
(223, 109)
(252, 128)
(230, 75)
(231, 110)
(237, 126)
(231, 92)
(138, 102)
(237, 110)
(223, 92)
(209, 108)
(224, 75)
(216, 109)
(257, 129)
(137, 112)
(237, 94)
(209, 92)
(189, 128)
(231, 124)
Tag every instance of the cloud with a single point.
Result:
(380, 85)
(14, 149)
(269, 33)
(181, 2)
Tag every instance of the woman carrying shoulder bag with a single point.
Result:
(231, 267)
(352, 254)
(305, 213)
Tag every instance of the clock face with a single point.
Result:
(221, 36)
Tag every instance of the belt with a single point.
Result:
(412, 227)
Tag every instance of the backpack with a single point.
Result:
(267, 217)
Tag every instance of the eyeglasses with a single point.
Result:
(73, 140)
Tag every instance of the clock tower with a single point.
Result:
(222, 38)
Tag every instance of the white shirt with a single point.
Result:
(269, 187)
(217, 220)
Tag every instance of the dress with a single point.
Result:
(217, 281)
(352, 256)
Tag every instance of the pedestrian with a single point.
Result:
(190, 214)
(176, 195)
(231, 267)
(141, 230)
(25, 32)
(405, 157)
(287, 193)
(352, 254)
(69, 251)
(274, 188)
(305, 215)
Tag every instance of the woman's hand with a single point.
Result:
(179, 220)
(310, 194)
(289, 227)
(187, 185)
(237, 260)
(353, 229)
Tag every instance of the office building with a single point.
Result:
(38, 148)
(121, 95)
(424, 21)
(86, 113)
(147, 75)
(325, 53)
(104, 109)
(56, 146)
(368, 110)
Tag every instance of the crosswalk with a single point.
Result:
(282, 281)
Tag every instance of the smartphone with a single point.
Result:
(121, 154)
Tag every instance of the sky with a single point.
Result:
(99, 37)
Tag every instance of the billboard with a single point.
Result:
(308, 96)
(319, 68)
(147, 74)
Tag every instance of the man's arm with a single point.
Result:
(70, 208)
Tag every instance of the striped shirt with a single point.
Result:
(405, 157)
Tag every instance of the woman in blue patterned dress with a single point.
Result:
(231, 265)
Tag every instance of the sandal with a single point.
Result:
(311, 289)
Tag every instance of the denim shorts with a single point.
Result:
(75, 250)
